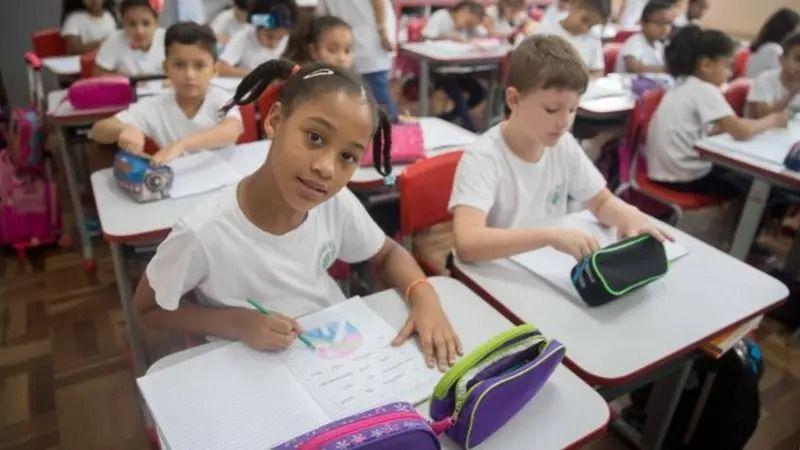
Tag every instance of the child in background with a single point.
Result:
(264, 38)
(505, 18)
(701, 62)
(644, 52)
(284, 225)
(86, 23)
(329, 39)
(766, 49)
(779, 89)
(136, 49)
(576, 28)
(229, 21)
(555, 12)
(460, 23)
(514, 182)
(630, 11)
(183, 121)
(694, 13)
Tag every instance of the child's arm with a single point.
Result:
(77, 47)
(612, 211)
(115, 131)
(227, 70)
(633, 65)
(274, 332)
(763, 109)
(223, 134)
(743, 129)
(474, 241)
(440, 344)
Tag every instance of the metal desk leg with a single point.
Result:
(424, 82)
(75, 198)
(126, 298)
(663, 402)
(751, 217)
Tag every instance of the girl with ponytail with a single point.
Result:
(273, 236)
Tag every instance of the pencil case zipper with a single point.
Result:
(350, 428)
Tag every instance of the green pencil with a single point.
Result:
(266, 312)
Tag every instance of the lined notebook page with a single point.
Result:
(232, 398)
(200, 172)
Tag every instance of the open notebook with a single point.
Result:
(771, 145)
(235, 397)
(555, 266)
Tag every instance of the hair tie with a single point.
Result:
(157, 5)
(271, 21)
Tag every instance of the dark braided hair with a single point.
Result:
(298, 87)
(693, 43)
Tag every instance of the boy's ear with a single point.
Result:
(273, 120)
(512, 98)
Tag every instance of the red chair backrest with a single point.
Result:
(425, 191)
(740, 61)
(610, 52)
(623, 35)
(48, 43)
(249, 123)
(414, 28)
(638, 125)
(264, 103)
(736, 94)
(87, 64)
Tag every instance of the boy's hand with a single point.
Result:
(167, 154)
(131, 140)
(574, 242)
(636, 223)
(780, 119)
(440, 344)
(265, 333)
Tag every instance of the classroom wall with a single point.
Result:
(743, 18)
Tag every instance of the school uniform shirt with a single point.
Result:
(767, 57)
(226, 24)
(245, 50)
(501, 24)
(217, 252)
(767, 88)
(651, 54)
(116, 54)
(514, 193)
(686, 114)
(440, 24)
(589, 45)
(87, 27)
(632, 14)
(368, 54)
(553, 14)
(160, 118)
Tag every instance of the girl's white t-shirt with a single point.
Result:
(116, 54)
(245, 50)
(217, 252)
(640, 48)
(589, 45)
(87, 27)
(769, 89)
(226, 24)
(767, 57)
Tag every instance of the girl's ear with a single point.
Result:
(273, 120)
(512, 98)
(312, 52)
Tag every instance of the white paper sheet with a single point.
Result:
(232, 398)
(554, 266)
(63, 65)
(201, 172)
(771, 145)
(439, 134)
(354, 366)
(606, 87)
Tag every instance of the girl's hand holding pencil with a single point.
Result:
(270, 331)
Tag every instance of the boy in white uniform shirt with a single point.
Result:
(778, 90)
(136, 49)
(576, 28)
(85, 24)
(230, 21)
(183, 121)
(644, 52)
(514, 183)
(264, 38)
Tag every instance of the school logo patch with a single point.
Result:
(554, 198)
(326, 257)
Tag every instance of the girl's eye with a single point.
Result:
(551, 110)
(314, 138)
(349, 157)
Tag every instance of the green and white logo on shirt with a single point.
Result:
(326, 257)
(554, 198)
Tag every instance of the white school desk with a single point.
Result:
(429, 56)
(565, 413)
(63, 65)
(704, 292)
(765, 174)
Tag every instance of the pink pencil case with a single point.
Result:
(100, 92)
(407, 144)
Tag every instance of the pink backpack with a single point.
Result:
(29, 212)
(26, 138)
(100, 92)
(407, 144)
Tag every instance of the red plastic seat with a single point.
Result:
(736, 94)
(87, 64)
(48, 43)
(610, 53)
(623, 35)
(740, 61)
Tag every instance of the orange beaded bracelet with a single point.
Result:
(414, 284)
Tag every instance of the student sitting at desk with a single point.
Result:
(86, 23)
(505, 18)
(644, 52)
(766, 49)
(264, 38)
(136, 49)
(576, 28)
(515, 181)
(778, 90)
(273, 236)
(461, 23)
(701, 62)
(230, 21)
(183, 121)
(329, 40)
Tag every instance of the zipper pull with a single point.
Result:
(439, 427)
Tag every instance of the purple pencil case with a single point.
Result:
(395, 426)
(487, 387)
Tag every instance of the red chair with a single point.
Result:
(736, 94)
(48, 43)
(424, 189)
(623, 35)
(414, 28)
(636, 174)
(87, 64)
(610, 53)
(250, 124)
(740, 61)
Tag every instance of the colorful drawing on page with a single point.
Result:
(335, 340)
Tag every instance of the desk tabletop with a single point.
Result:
(448, 52)
(565, 412)
(703, 293)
